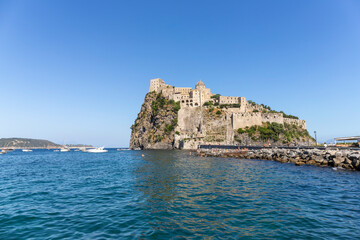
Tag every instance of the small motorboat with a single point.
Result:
(3, 152)
(64, 149)
(97, 150)
(27, 150)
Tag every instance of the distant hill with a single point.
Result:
(26, 143)
(78, 145)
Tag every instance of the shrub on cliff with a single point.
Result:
(252, 103)
(215, 96)
(289, 116)
(241, 131)
(234, 105)
(271, 131)
(168, 128)
(176, 107)
(161, 102)
(208, 104)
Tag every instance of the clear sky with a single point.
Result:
(77, 71)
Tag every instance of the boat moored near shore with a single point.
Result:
(27, 150)
(97, 150)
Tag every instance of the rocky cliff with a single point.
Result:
(162, 124)
(154, 127)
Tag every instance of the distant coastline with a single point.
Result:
(29, 143)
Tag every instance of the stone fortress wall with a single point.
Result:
(229, 100)
(297, 122)
(240, 117)
(248, 119)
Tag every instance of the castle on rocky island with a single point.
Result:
(240, 112)
(185, 118)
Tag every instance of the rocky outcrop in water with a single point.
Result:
(163, 124)
(340, 158)
(154, 128)
(185, 118)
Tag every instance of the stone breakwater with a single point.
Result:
(347, 159)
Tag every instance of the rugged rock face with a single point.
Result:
(154, 127)
(163, 124)
(203, 126)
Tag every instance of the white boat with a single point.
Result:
(97, 150)
(64, 150)
(27, 150)
(3, 152)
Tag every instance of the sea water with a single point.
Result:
(172, 195)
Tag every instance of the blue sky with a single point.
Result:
(77, 71)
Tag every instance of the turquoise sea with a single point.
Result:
(172, 195)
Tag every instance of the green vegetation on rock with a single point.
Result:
(267, 109)
(215, 96)
(156, 122)
(234, 105)
(209, 103)
(160, 102)
(275, 132)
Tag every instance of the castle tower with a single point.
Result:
(156, 85)
(205, 93)
(200, 85)
(243, 104)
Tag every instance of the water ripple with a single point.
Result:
(122, 195)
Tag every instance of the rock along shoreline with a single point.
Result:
(340, 158)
